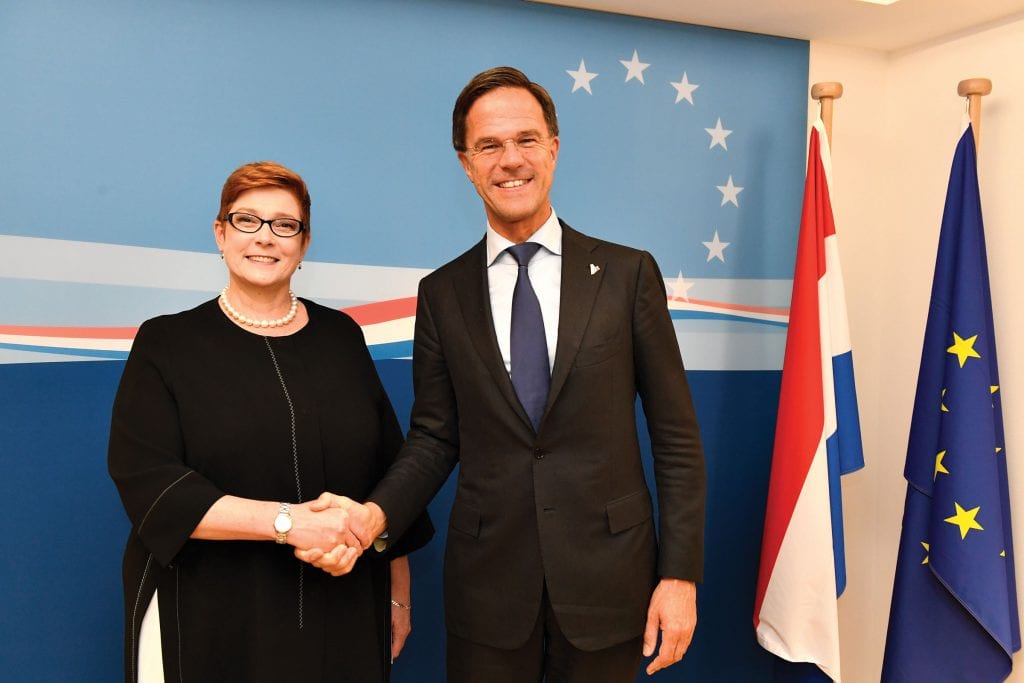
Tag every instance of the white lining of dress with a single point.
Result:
(135, 612)
(151, 659)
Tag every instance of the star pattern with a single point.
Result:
(927, 548)
(718, 135)
(581, 78)
(634, 68)
(729, 192)
(939, 467)
(963, 348)
(684, 89)
(681, 287)
(716, 248)
(965, 519)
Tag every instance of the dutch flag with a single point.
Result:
(817, 438)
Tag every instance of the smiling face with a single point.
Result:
(515, 183)
(261, 260)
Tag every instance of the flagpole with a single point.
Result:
(825, 93)
(974, 89)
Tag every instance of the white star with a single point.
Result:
(634, 68)
(718, 135)
(581, 78)
(729, 192)
(716, 248)
(684, 89)
(680, 287)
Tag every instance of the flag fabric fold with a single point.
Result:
(954, 604)
(817, 438)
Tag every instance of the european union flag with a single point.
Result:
(954, 604)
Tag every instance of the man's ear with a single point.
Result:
(467, 165)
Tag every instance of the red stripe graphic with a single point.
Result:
(70, 332)
(382, 311)
(732, 307)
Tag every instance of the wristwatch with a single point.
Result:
(283, 523)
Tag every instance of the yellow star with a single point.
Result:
(939, 467)
(965, 520)
(926, 546)
(1002, 554)
(993, 388)
(998, 449)
(943, 405)
(963, 348)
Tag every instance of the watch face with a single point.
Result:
(282, 524)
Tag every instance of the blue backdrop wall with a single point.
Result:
(120, 120)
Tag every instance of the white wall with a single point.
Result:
(894, 132)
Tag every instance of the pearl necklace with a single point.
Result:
(252, 322)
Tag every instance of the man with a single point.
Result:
(551, 567)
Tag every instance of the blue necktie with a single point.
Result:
(531, 375)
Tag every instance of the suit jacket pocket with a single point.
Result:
(628, 511)
(465, 519)
(592, 353)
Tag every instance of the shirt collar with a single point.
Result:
(548, 235)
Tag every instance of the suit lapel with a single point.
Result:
(471, 290)
(581, 278)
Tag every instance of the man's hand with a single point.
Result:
(321, 527)
(673, 611)
(366, 522)
(358, 526)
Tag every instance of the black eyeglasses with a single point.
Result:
(282, 227)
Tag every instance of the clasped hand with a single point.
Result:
(330, 533)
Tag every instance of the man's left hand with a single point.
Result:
(673, 611)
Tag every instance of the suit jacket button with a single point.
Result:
(539, 453)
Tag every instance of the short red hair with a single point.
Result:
(260, 174)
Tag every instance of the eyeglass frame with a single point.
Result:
(477, 151)
(230, 219)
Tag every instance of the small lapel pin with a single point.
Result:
(594, 268)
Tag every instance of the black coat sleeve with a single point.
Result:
(164, 498)
(679, 469)
(432, 449)
(421, 530)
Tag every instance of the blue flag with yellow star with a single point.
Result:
(954, 604)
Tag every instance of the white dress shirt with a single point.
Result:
(545, 275)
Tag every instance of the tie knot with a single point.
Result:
(522, 253)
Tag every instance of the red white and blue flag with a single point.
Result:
(817, 438)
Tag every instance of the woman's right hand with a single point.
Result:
(340, 560)
(325, 528)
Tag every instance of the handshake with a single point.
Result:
(332, 531)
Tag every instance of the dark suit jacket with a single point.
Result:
(567, 506)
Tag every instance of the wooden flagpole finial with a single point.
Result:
(974, 89)
(825, 93)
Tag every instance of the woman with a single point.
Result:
(230, 421)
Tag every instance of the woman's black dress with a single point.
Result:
(206, 409)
